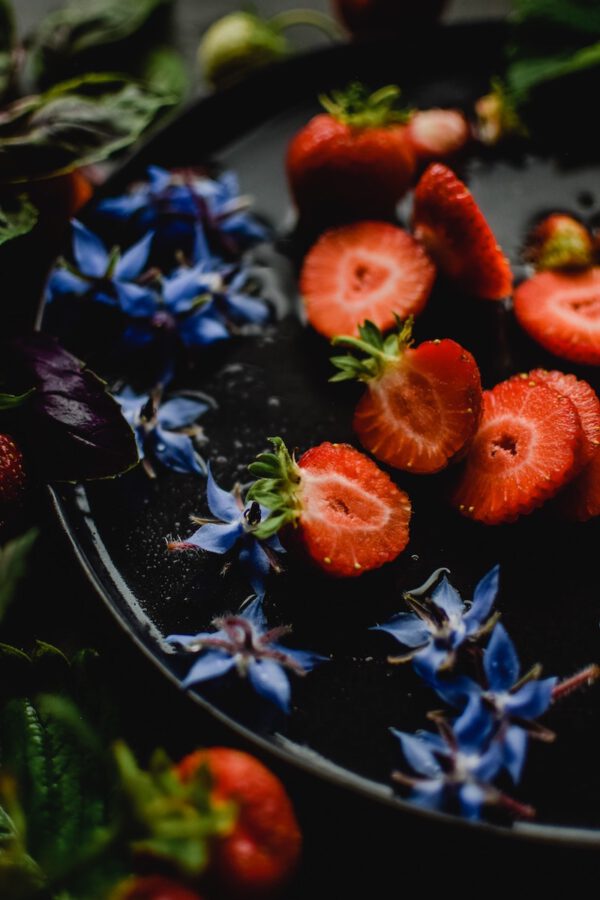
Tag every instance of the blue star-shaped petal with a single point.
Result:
(244, 643)
(235, 523)
(158, 430)
(436, 628)
(110, 278)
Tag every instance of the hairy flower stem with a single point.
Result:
(585, 678)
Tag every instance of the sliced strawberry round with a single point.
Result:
(448, 221)
(422, 405)
(353, 516)
(561, 311)
(368, 270)
(438, 133)
(585, 401)
(524, 452)
(349, 514)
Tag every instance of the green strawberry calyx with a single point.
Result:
(277, 488)
(380, 352)
(356, 107)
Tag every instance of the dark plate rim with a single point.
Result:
(91, 554)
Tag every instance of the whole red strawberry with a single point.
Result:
(355, 160)
(348, 514)
(422, 405)
(385, 18)
(263, 850)
(12, 471)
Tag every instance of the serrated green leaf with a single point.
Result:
(17, 217)
(13, 565)
(84, 25)
(75, 123)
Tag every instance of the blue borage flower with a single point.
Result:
(173, 202)
(513, 702)
(165, 431)
(437, 627)
(243, 643)
(455, 769)
(103, 276)
(235, 525)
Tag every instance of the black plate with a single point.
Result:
(277, 384)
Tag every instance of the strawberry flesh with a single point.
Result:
(368, 270)
(561, 311)
(448, 221)
(438, 133)
(12, 471)
(585, 401)
(353, 517)
(525, 450)
(424, 409)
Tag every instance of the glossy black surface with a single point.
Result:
(277, 384)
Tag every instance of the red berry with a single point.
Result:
(438, 133)
(422, 405)
(525, 450)
(585, 401)
(560, 242)
(448, 221)
(353, 518)
(12, 471)
(264, 848)
(152, 887)
(368, 270)
(354, 162)
(561, 311)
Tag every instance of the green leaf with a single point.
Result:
(17, 217)
(164, 71)
(75, 123)
(524, 75)
(85, 25)
(13, 565)
(577, 15)
(11, 401)
(7, 45)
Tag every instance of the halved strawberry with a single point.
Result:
(438, 133)
(368, 270)
(561, 311)
(350, 515)
(584, 399)
(422, 405)
(524, 452)
(580, 500)
(448, 221)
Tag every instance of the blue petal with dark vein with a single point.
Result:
(212, 664)
(500, 660)
(271, 682)
(407, 628)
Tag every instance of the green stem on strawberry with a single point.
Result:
(380, 352)
(277, 488)
(356, 107)
(11, 401)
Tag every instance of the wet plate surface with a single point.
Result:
(276, 383)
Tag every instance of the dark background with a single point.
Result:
(354, 847)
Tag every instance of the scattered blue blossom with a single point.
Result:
(438, 626)
(513, 702)
(106, 277)
(167, 431)
(235, 524)
(243, 643)
(455, 769)
(172, 203)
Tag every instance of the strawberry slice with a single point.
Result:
(421, 407)
(561, 311)
(525, 450)
(349, 515)
(580, 500)
(368, 270)
(585, 401)
(452, 227)
(438, 133)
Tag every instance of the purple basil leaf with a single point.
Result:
(72, 428)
